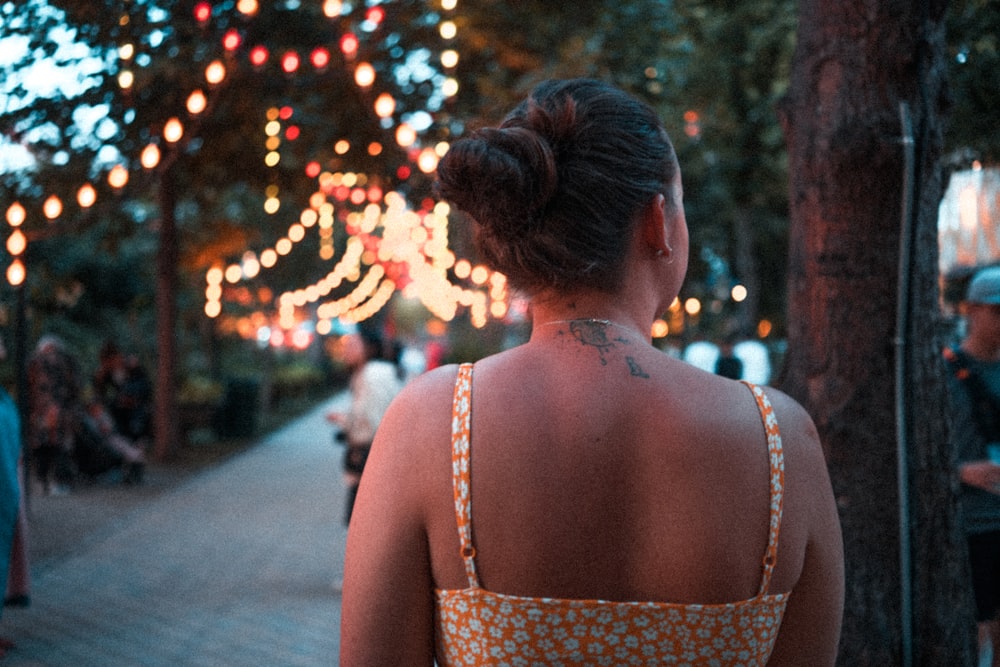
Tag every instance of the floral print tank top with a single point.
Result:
(474, 626)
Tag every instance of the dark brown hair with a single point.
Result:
(554, 191)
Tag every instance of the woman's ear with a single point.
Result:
(654, 226)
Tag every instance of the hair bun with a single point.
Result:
(504, 178)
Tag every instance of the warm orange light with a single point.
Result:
(15, 214)
(173, 130)
(16, 242)
(384, 105)
(247, 7)
(118, 176)
(16, 272)
(449, 58)
(215, 72)
(405, 135)
(150, 156)
(428, 160)
(86, 195)
(332, 8)
(447, 29)
(196, 102)
(364, 75)
(52, 207)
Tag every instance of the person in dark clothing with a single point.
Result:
(974, 383)
(728, 365)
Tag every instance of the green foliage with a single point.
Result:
(974, 73)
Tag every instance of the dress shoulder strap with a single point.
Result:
(777, 482)
(461, 422)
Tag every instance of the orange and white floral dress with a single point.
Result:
(474, 626)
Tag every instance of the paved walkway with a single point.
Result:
(232, 567)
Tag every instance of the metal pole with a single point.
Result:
(902, 328)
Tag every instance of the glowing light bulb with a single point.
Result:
(364, 75)
(16, 242)
(215, 72)
(16, 214)
(150, 156)
(16, 272)
(405, 135)
(118, 176)
(52, 207)
(86, 195)
(173, 130)
(385, 105)
(196, 102)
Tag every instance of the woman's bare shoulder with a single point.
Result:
(421, 411)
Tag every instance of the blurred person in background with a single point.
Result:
(374, 382)
(974, 388)
(55, 413)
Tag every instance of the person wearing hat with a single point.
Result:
(974, 382)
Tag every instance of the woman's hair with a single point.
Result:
(555, 190)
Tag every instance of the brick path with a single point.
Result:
(231, 567)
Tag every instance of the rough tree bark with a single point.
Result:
(863, 70)
(165, 396)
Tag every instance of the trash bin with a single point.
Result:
(237, 416)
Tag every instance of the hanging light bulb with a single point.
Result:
(16, 272)
(231, 40)
(86, 195)
(364, 75)
(118, 176)
(173, 130)
(384, 105)
(202, 12)
(247, 7)
(405, 135)
(196, 102)
(150, 156)
(332, 8)
(16, 242)
(52, 207)
(319, 57)
(15, 214)
(449, 58)
(290, 62)
(215, 72)
(349, 45)
(258, 56)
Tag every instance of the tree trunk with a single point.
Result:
(862, 326)
(165, 400)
